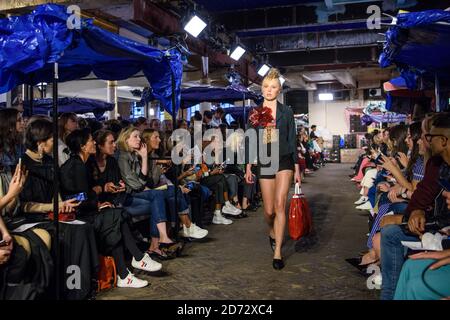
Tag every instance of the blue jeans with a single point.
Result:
(148, 203)
(392, 258)
(169, 196)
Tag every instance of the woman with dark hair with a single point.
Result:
(67, 123)
(11, 133)
(401, 192)
(77, 242)
(11, 147)
(397, 143)
(111, 229)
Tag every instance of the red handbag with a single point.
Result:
(300, 222)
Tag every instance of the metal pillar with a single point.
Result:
(111, 97)
(56, 176)
(437, 93)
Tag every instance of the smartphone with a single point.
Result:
(378, 158)
(78, 197)
(196, 169)
(190, 185)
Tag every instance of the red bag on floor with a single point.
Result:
(107, 274)
(300, 222)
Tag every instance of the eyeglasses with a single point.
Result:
(430, 137)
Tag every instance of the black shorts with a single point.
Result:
(286, 163)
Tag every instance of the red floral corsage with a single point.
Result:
(260, 116)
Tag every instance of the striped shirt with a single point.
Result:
(419, 169)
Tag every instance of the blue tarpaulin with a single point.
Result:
(77, 105)
(419, 44)
(31, 44)
(388, 117)
(230, 94)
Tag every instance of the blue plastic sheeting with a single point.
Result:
(398, 82)
(419, 45)
(195, 95)
(388, 117)
(77, 105)
(30, 44)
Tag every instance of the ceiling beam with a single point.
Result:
(345, 78)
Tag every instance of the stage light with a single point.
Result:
(263, 70)
(195, 26)
(237, 53)
(326, 96)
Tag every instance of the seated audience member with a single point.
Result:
(400, 193)
(218, 117)
(67, 123)
(141, 124)
(110, 225)
(211, 176)
(156, 177)
(11, 148)
(77, 242)
(25, 261)
(155, 124)
(426, 275)
(141, 200)
(207, 119)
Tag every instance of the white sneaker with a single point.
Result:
(194, 232)
(131, 282)
(361, 200)
(378, 281)
(219, 219)
(231, 210)
(146, 264)
(365, 206)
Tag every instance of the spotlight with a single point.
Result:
(263, 70)
(326, 96)
(195, 26)
(238, 52)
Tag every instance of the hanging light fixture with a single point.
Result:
(262, 71)
(195, 26)
(237, 53)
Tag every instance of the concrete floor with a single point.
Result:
(235, 261)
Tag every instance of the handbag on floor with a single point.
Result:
(107, 274)
(300, 222)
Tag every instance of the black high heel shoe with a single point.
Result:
(356, 262)
(278, 264)
(272, 243)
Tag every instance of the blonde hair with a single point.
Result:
(273, 74)
(124, 135)
(147, 134)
